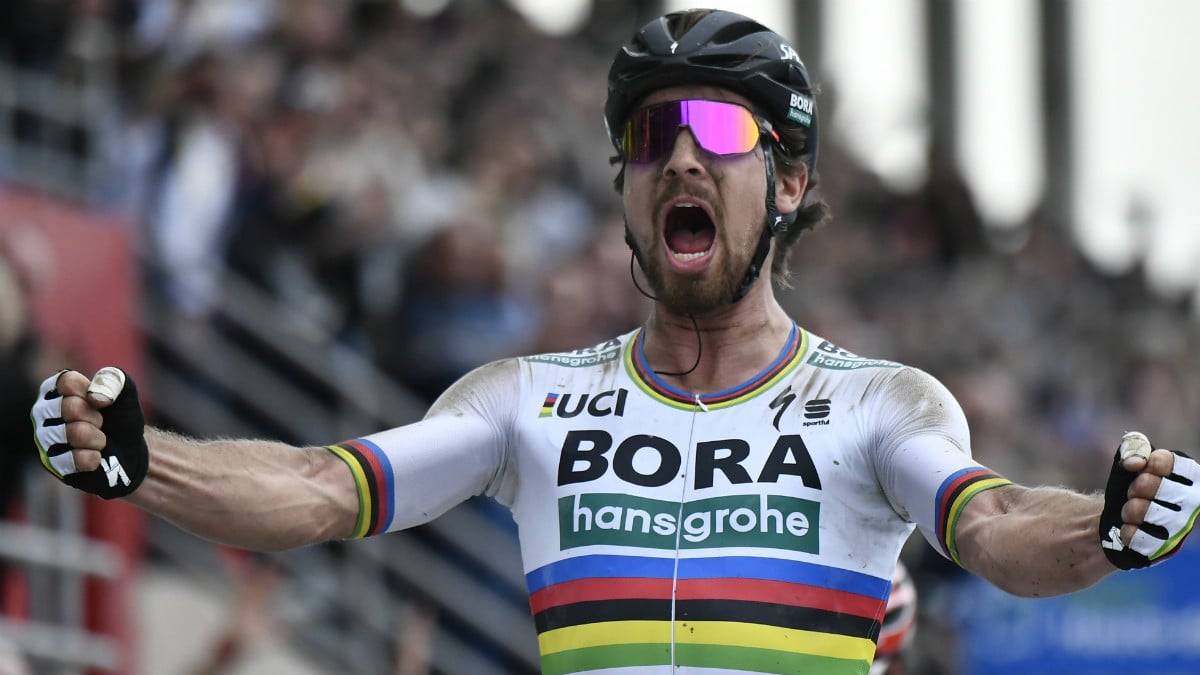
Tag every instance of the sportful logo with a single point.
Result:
(816, 411)
(766, 521)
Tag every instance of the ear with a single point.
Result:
(790, 189)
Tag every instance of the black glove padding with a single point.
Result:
(1167, 523)
(125, 459)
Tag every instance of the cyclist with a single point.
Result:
(719, 489)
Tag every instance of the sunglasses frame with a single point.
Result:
(763, 126)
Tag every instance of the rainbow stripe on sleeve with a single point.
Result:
(742, 613)
(375, 482)
(952, 498)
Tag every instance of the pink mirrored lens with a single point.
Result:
(720, 128)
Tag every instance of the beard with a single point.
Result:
(698, 294)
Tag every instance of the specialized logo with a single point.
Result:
(766, 521)
(1114, 543)
(830, 356)
(595, 405)
(782, 401)
(113, 471)
(582, 358)
(788, 54)
(653, 461)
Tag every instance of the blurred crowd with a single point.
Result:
(437, 191)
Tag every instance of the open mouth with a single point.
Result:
(688, 230)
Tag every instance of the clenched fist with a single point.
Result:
(89, 433)
(1150, 503)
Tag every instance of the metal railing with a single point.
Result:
(463, 562)
(54, 558)
(256, 370)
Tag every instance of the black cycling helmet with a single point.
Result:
(718, 48)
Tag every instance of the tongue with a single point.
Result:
(685, 240)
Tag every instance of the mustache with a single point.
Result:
(673, 188)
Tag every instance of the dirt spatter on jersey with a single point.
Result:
(498, 378)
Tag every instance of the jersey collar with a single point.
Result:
(653, 385)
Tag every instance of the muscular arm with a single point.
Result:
(268, 496)
(1028, 541)
(1033, 542)
(254, 494)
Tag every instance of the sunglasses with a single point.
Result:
(718, 127)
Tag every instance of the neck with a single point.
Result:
(736, 342)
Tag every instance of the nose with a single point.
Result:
(684, 159)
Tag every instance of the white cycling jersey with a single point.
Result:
(753, 529)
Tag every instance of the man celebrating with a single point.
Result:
(717, 491)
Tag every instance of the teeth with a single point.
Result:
(688, 205)
(689, 256)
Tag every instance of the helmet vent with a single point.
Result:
(728, 61)
(639, 70)
(735, 32)
(679, 23)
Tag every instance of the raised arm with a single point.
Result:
(259, 495)
(1045, 541)
(1033, 542)
(1029, 541)
(269, 496)
(254, 494)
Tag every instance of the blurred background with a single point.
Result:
(303, 219)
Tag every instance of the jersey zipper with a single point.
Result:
(687, 468)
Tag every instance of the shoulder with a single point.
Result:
(914, 387)
(485, 386)
(500, 384)
(894, 395)
(882, 375)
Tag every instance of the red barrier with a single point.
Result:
(81, 273)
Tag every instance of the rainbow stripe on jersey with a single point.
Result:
(375, 481)
(953, 496)
(743, 613)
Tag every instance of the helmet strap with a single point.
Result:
(632, 244)
(773, 225)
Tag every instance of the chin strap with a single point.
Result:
(637, 253)
(774, 225)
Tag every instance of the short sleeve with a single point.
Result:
(923, 456)
(409, 475)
